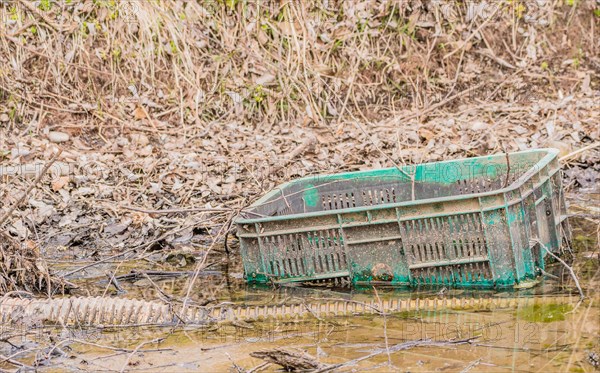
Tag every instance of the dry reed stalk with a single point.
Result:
(212, 54)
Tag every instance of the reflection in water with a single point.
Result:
(543, 337)
(520, 339)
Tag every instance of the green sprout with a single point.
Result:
(173, 46)
(231, 4)
(337, 44)
(520, 10)
(259, 94)
(116, 53)
(45, 5)
(13, 13)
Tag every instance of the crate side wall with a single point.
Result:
(426, 248)
(517, 227)
(378, 261)
(254, 270)
(296, 255)
(499, 245)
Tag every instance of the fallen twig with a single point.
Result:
(472, 35)
(410, 176)
(431, 108)
(202, 264)
(258, 368)
(471, 365)
(301, 148)
(118, 349)
(172, 211)
(548, 274)
(191, 209)
(113, 280)
(290, 359)
(387, 345)
(507, 169)
(31, 186)
(579, 151)
(238, 368)
(16, 363)
(396, 348)
(495, 58)
(164, 296)
(157, 340)
(573, 275)
(135, 275)
(33, 9)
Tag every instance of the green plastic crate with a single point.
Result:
(472, 222)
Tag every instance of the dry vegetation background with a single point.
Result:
(170, 105)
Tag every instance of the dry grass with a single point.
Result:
(199, 104)
(184, 65)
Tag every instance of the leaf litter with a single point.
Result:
(189, 107)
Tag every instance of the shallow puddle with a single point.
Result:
(530, 338)
(544, 336)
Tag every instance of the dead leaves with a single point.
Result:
(167, 124)
(23, 269)
(140, 113)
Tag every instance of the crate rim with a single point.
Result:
(551, 154)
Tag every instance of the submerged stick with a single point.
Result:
(399, 347)
(573, 275)
(113, 280)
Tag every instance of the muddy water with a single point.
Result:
(541, 338)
